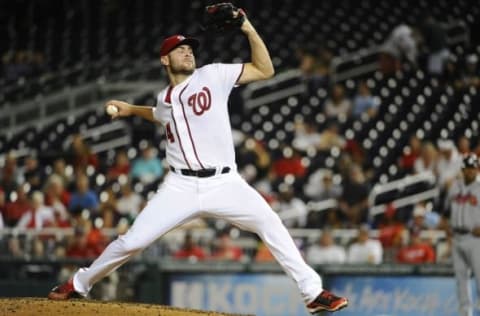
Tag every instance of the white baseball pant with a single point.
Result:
(182, 198)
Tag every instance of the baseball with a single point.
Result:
(112, 109)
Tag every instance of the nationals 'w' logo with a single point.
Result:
(201, 101)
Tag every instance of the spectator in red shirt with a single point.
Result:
(81, 154)
(225, 249)
(39, 215)
(10, 174)
(15, 210)
(86, 243)
(416, 252)
(189, 250)
(289, 163)
(391, 230)
(410, 154)
(120, 167)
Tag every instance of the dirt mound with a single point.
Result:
(26, 306)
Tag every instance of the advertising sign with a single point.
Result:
(397, 295)
(250, 294)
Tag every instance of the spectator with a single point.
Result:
(86, 242)
(306, 136)
(332, 219)
(353, 202)
(290, 163)
(449, 164)
(120, 167)
(365, 102)
(60, 169)
(463, 145)
(81, 155)
(451, 73)
(55, 194)
(129, 203)
(315, 67)
(33, 173)
(401, 45)
(410, 154)
(337, 106)
(435, 41)
(109, 218)
(390, 230)
(308, 63)
(263, 255)
(365, 249)
(225, 249)
(109, 199)
(147, 168)
(61, 220)
(427, 160)
(416, 252)
(356, 152)
(320, 186)
(10, 176)
(190, 250)
(16, 209)
(2, 224)
(417, 224)
(326, 251)
(423, 218)
(470, 76)
(254, 153)
(39, 215)
(291, 210)
(83, 197)
(330, 137)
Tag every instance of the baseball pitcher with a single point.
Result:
(203, 180)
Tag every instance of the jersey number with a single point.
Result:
(201, 101)
(170, 137)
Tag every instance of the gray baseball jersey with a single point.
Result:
(465, 205)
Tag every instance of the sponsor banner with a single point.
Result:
(277, 295)
(249, 294)
(397, 295)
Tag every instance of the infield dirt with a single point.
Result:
(41, 306)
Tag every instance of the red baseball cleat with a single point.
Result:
(327, 301)
(64, 291)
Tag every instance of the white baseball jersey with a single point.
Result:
(195, 116)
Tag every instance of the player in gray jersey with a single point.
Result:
(464, 200)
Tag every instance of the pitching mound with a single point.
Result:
(42, 306)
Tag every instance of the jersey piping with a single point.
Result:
(188, 127)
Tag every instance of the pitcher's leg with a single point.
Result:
(237, 202)
(278, 240)
(167, 209)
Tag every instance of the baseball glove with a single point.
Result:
(222, 17)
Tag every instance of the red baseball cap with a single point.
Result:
(174, 41)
